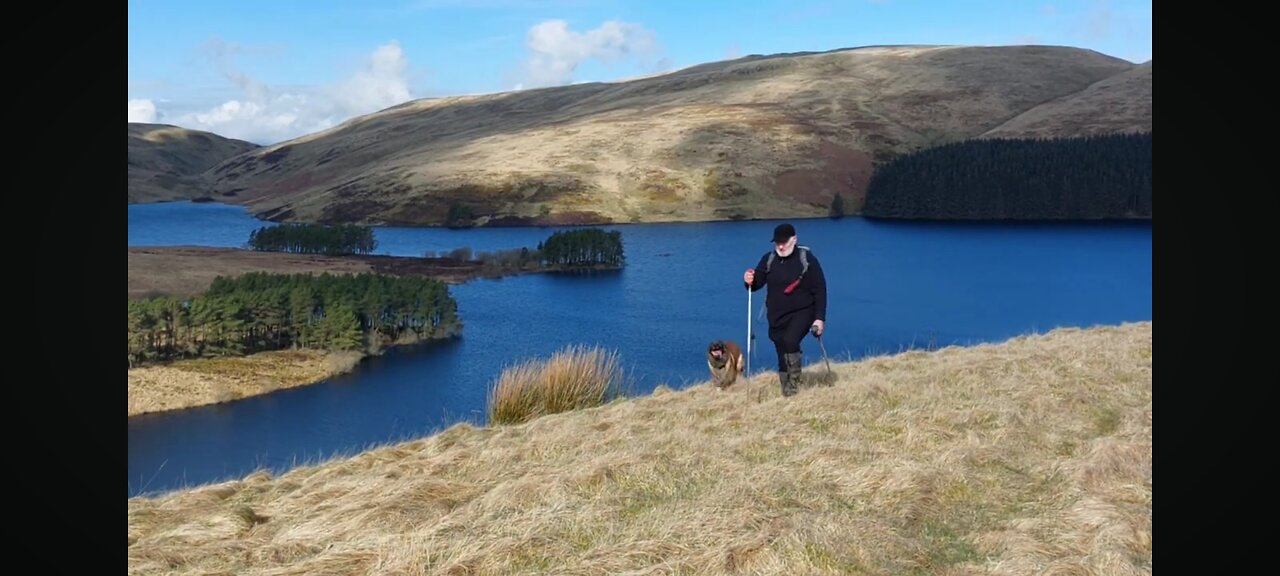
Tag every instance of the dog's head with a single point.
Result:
(716, 349)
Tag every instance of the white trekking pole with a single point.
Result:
(748, 332)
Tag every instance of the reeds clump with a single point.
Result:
(575, 377)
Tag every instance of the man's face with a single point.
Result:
(784, 249)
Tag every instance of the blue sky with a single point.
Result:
(269, 71)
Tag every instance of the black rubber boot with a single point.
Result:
(794, 378)
(787, 388)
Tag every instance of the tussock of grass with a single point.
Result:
(1028, 457)
(575, 377)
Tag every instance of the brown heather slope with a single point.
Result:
(185, 271)
(1028, 457)
(168, 162)
(1120, 103)
(757, 137)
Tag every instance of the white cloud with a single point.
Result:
(381, 84)
(417, 5)
(267, 114)
(556, 51)
(142, 111)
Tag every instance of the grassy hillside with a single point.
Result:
(167, 162)
(1117, 104)
(756, 137)
(1031, 456)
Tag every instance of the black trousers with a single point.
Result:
(787, 332)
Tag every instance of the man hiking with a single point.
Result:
(796, 302)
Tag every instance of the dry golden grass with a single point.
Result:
(1028, 457)
(574, 378)
(189, 383)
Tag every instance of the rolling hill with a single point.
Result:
(758, 137)
(167, 162)
(1116, 104)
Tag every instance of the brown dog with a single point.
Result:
(725, 361)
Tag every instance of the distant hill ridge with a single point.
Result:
(167, 162)
(757, 137)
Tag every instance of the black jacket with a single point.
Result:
(810, 293)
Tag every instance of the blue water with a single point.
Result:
(893, 286)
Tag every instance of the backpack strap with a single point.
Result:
(804, 260)
(804, 266)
